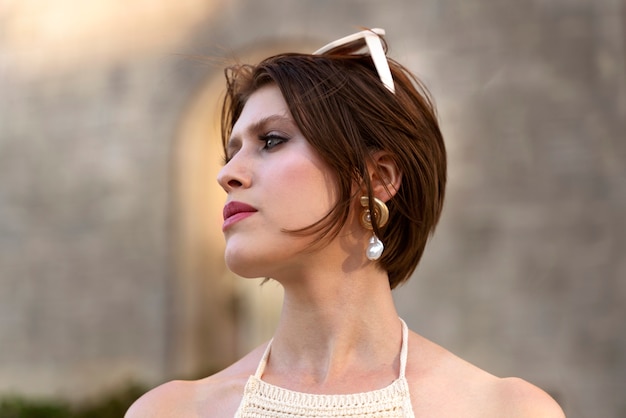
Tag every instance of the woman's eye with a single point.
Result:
(272, 140)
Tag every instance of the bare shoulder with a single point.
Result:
(515, 397)
(174, 398)
(218, 395)
(443, 384)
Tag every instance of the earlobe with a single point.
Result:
(385, 175)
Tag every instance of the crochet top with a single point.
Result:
(264, 400)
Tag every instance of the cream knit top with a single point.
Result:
(264, 400)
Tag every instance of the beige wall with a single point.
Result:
(110, 264)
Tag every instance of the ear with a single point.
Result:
(385, 175)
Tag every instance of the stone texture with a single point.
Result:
(525, 275)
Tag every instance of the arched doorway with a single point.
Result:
(216, 316)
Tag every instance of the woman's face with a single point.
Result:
(275, 182)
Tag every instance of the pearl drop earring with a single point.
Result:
(381, 216)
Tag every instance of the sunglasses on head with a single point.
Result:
(355, 43)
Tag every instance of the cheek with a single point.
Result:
(306, 191)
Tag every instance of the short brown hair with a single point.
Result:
(346, 113)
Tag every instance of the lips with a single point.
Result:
(236, 211)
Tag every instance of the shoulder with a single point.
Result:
(174, 398)
(455, 387)
(215, 396)
(514, 397)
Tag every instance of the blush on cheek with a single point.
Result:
(312, 193)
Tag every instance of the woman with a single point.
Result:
(335, 171)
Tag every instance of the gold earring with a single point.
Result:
(381, 213)
(381, 216)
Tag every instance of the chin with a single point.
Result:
(247, 267)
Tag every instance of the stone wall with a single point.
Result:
(525, 275)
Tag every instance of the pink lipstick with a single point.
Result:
(235, 212)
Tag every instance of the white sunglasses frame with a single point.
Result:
(374, 43)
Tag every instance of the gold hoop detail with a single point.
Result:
(381, 213)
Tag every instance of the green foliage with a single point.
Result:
(14, 407)
(112, 406)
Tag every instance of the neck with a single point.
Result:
(331, 327)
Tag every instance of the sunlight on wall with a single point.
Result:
(40, 35)
(215, 311)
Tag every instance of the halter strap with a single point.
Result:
(404, 350)
(261, 367)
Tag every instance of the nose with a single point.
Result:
(235, 174)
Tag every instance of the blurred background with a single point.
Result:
(111, 271)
